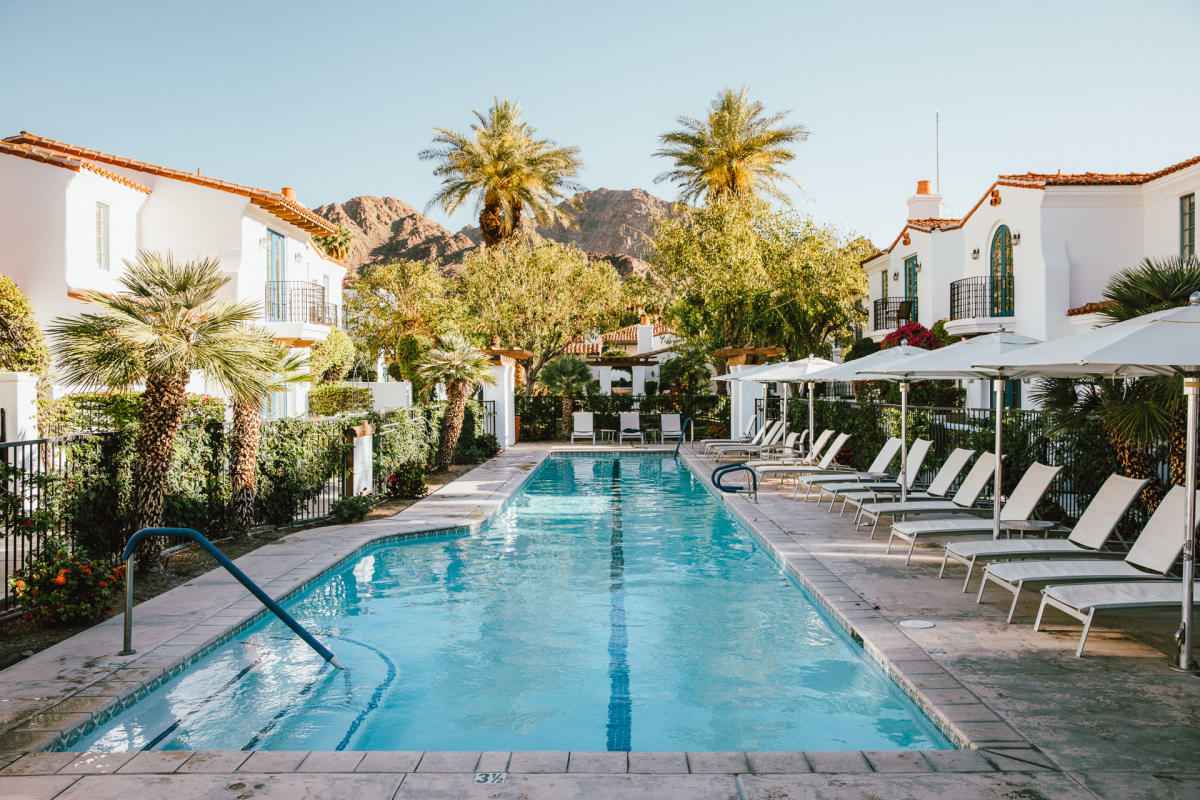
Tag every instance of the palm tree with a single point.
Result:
(461, 368)
(247, 429)
(506, 169)
(1136, 414)
(336, 244)
(735, 153)
(566, 376)
(166, 324)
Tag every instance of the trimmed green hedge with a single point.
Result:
(336, 399)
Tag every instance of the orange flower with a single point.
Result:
(60, 580)
(19, 584)
(103, 585)
(87, 571)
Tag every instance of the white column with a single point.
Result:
(605, 377)
(18, 398)
(639, 381)
(742, 395)
(502, 395)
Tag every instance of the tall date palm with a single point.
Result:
(165, 324)
(461, 368)
(737, 151)
(505, 169)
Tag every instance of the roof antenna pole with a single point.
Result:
(937, 148)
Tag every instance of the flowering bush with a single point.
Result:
(352, 509)
(915, 334)
(60, 588)
(407, 481)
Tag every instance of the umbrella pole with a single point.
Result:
(786, 389)
(903, 441)
(998, 477)
(811, 386)
(1191, 389)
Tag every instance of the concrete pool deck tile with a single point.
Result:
(788, 762)
(331, 761)
(598, 762)
(538, 761)
(493, 761)
(837, 761)
(448, 761)
(1148, 787)
(962, 786)
(39, 763)
(658, 763)
(389, 761)
(570, 787)
(957, 761)
(40, 787)
(97, 763)
(155, 761)
(16, 739)
(273, 761)
(54, 722)
(897, 761)
(731, 762)
(257, 786)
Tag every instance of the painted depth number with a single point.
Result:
(491, 777)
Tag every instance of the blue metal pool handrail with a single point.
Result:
(722, 471)
(682, 432)
(224, 561)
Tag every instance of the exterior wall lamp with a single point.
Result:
(895, 275)
(975, 254)
(1016, 237)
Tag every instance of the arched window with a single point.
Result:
(1002, 273)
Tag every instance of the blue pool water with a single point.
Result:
(614, 604)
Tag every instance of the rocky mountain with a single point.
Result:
(612, 224)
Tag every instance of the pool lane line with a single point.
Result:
(620, 704)
(200, 705)
(376, 696)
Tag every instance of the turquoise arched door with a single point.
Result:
(1002, 273)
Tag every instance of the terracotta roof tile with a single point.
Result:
(45, 156)
(933, 223)
(274, 202)
(1098, 178)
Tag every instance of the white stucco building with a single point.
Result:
(70, 216)
(648, 340)
(1032, 255)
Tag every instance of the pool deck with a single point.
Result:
(1035, 721)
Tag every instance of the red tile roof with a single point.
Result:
(933, 223)
(613, 339)
(44, 156)
(286, 209)
(1097, 178)
(1089, 308)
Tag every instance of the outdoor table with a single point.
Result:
(606, 435)
(653, 435)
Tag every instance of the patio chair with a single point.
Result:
(670, 426)
(842, 490)
(631, 427)
(1018, 508)
(1152, 556)
(779, 452)
(583, 426)
(705, 444)
(812, 456)
(783, 470)
(877, 470)
(938, 488)
(1090, 533)
(1082, 601)
(963, 502)
(772, 437)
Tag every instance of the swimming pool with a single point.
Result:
(614, 604)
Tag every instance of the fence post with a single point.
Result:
(360, 476)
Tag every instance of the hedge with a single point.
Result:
(339, 398)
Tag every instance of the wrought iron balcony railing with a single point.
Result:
(299, 301)
(892, 312)
(978, 297)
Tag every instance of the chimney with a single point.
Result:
(925, 204)
(289, 193)
(645, 336)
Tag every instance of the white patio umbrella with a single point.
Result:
(788, 372)
(958, 361)
(853, 371)
(1160, 343)
(748, 374)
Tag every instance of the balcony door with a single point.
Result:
(276, 275)
(1002, 273)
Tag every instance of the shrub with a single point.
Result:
(97, 412)
(330, 360)
(22, 346)
(484, 447)
(915, 334)
(651, 387)
(863, 347)
(339, 398)
(407, 481)
(60, 588)
(352, 509)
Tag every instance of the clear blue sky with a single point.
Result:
(337, 99)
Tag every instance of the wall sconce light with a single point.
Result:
(263, 243)
(296, 258)
(895, 275)
(917, 266)
(1016, 239)
(975, 254)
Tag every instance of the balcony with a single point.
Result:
(892, 312)
(976, 308)
(297, 311)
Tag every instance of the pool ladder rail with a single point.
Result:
(751, 488)
(683, 429)
(224, 561)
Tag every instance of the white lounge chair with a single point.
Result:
(815, 451)
(873, 489)
(938, 488)
(1083, 600)
(778, 453)
(760, 432)
(1018, 508)
(1151, 557)
(773, 436)
(963, 501)
(583, 426)
(670, 427)
(631, 427)
(876, 470)
(1095, 525)
(783, 470)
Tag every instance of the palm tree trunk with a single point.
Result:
(568, 405)
(160, 420)
(491, 224)
(247, 428)
(452, 423)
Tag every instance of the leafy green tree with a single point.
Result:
(735, 152)
(540, 297)
(22, 346)
(166, 323)
(687, 372)
(566, 376)
(1136, 414)
(505, 169)
(330, 360)
(336, 244)
(461, 368)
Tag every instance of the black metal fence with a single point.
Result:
(974, 297)
(892, 312)
(489, 417)
(299, 301)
